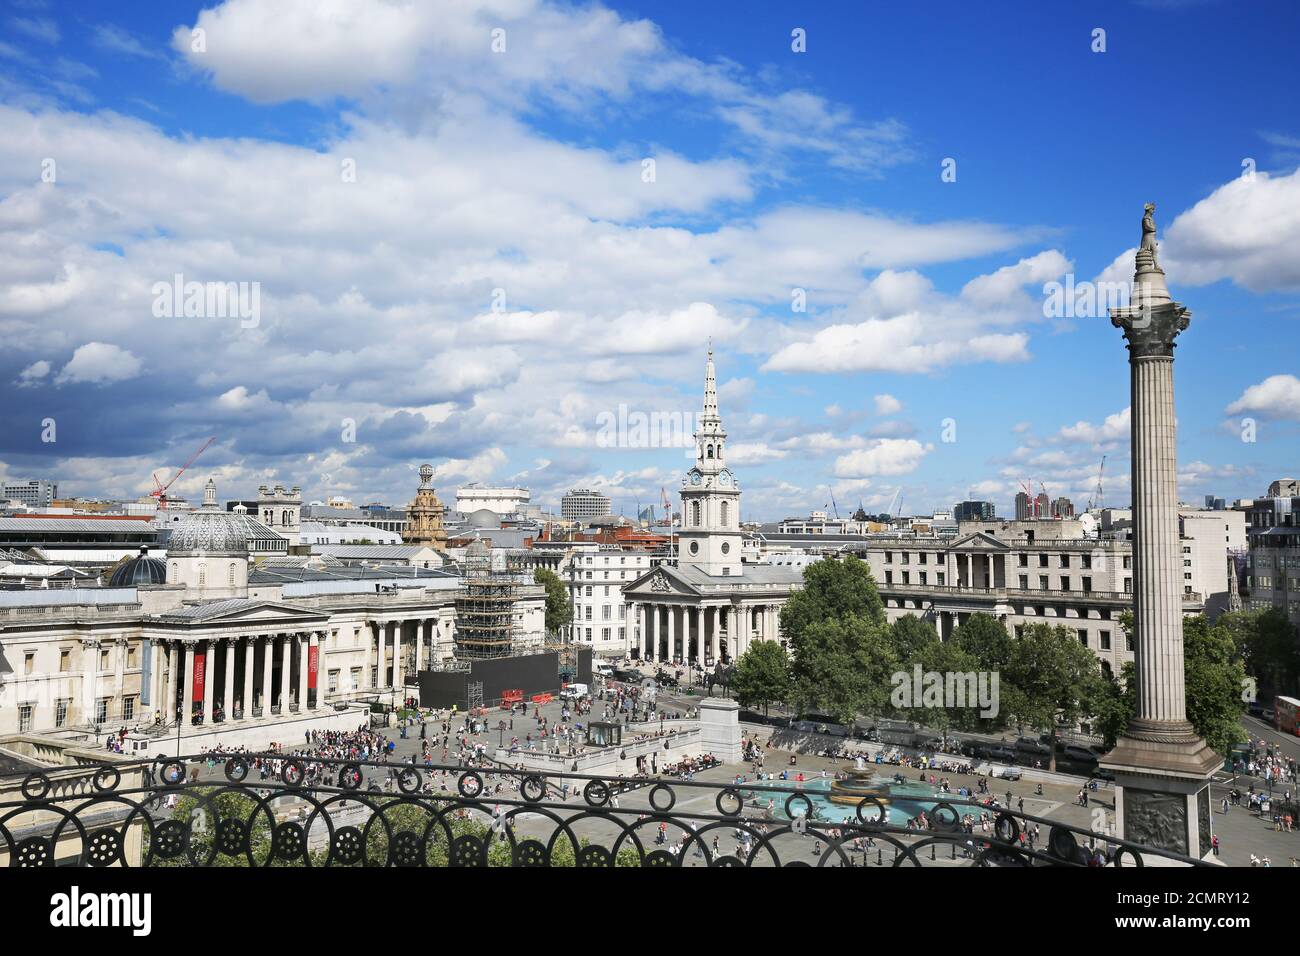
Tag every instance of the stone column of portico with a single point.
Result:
(268, 660)
(381, 676)
(89, 670)
(187, 702)
(300, 653)
(633, 627)
(1161, 764)
(672, 634)
(119, 675)
(715, 646)
(250, 658)
(209, 679)
(173, 675)
(286, 671)
(421, 630)
(399, 662)
(651, 631)
(228, 699)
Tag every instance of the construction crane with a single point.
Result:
(160, 490)
(1095, 501)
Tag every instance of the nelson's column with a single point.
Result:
(1162, 766)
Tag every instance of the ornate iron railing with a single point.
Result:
(309, 811)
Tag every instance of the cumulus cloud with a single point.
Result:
(884, 456)
(99, 363)
(34, 373)
(887, 405)
(1278, 396)
(1247, 230)
(1115, 428)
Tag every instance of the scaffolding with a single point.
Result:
(485, 607)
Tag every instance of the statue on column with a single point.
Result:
(1147, 249)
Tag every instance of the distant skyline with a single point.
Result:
(475, 234)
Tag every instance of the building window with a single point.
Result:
(61, 712)
(1065, 583)
(230, 576)
(356, 676)
(1128, 643)
(1024, 582)
(130, 656)
(103, 660)
(938, 578)
(1065, 560)
(724, 514)
(29, 662)
(65, 661)
(128, 708)
(333, 684)
(1083, 635)
(1104, 638)
(203, 575)
(24, 718)
(1042, 560)
(1042, 582)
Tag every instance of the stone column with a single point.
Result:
(381, 675)
(1161, 765)
(651, 631)
(188, 655)
(209, 679)
(228, 699)
(250, 659)
(633, 626)
(299, 644)
(173, 675)
(268, 660)
(672, 633)
(89, 673)
(716, 639)
(286, 671)
(399, 665)
(422, 628)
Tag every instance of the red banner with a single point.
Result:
(200, 668)
(313, 664)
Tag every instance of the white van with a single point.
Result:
(602, 669)
(574, 691)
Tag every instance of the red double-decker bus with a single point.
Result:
(1286, 715)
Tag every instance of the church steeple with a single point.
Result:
(710, 535)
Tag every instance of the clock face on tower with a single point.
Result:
(695, 477)
(724, 478)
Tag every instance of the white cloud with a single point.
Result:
(1247, 230)
(885, 456)
(99, 363)
(888, 405)
(1115, 428)
(1278, 396)
(34, 373)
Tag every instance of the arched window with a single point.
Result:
(175, 573)
(710, 451)
(284, 519)
(203, 574)
(724, 514)
(230, 576)
(695, 514)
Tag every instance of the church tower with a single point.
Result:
(710, 534)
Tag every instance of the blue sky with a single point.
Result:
(498, 274)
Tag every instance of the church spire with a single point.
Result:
(710, 392)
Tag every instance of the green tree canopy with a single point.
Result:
(559, 609)
(1052, 678)
(912, 637)
(984, 638)
(762, 675)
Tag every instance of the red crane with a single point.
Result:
(160, 491)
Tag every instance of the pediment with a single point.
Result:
(978, 541)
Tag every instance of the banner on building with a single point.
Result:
(313, 662)
(200, 666)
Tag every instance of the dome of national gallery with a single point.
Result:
(209, 529)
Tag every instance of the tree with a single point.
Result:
(1116, 705)
(762, 675)
(559, 609)
(1267, 642)
(842, 667)
(1213, 676)
(842, 655)
(948, 660)
(912, 637)
(840, 589)
(984, 638)
(1050, 679)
